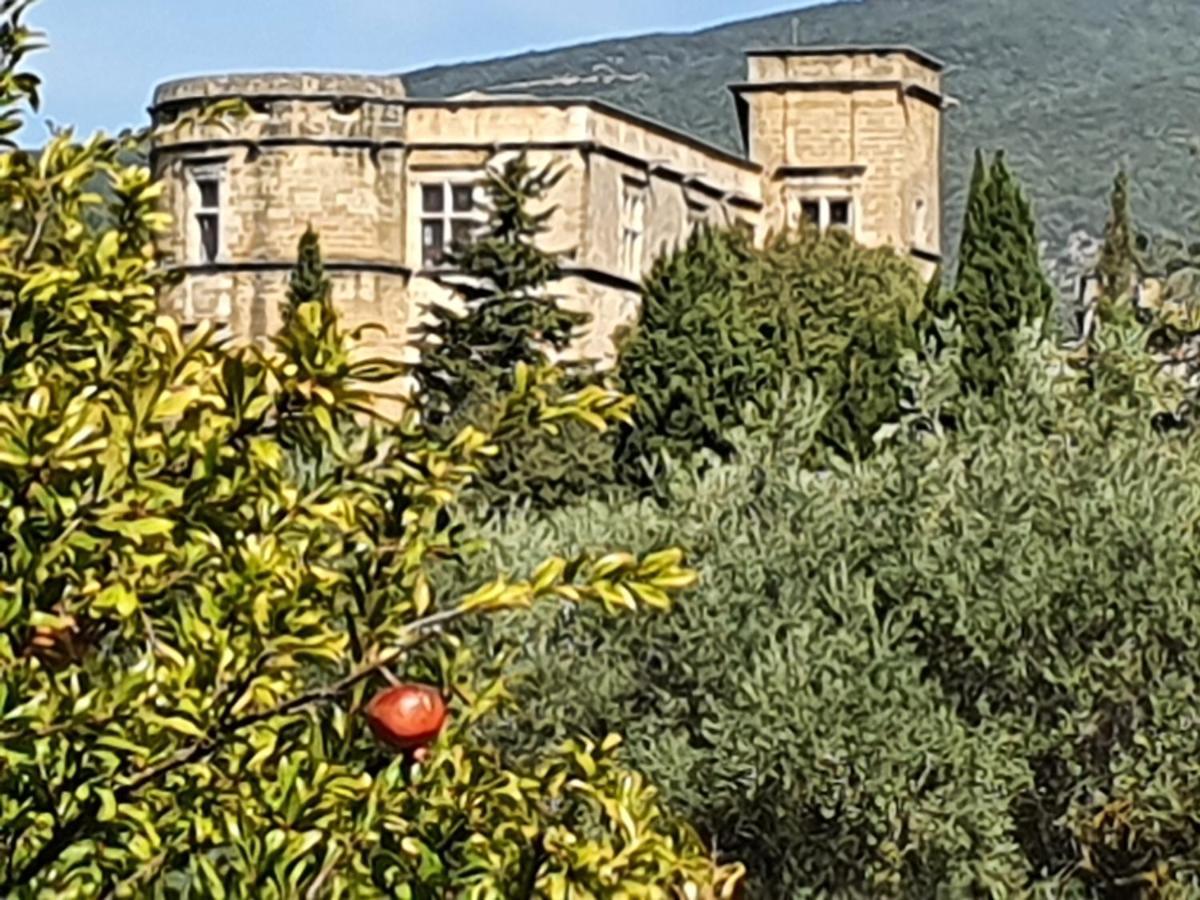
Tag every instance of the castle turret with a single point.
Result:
(325, 150)
(848, 137)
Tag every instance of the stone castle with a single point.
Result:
(846, 137)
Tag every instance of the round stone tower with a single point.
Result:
(319, 149)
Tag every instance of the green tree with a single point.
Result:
(506, 314)
(308, 282)
(1000, 285)
(697, 355)
(1117, 265)
(725, 324)
(189, 630)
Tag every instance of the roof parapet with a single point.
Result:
(919, 56)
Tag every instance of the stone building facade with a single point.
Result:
(849, 137)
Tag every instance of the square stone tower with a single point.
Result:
(848, 137)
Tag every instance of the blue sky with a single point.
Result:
(105, 56)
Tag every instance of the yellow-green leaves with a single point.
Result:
(634, 851)
(618, 580)
(498, 595)
(116, 598)
(210, 555)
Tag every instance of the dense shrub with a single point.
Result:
(969, 666)
(724, 323)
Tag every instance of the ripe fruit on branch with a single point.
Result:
(406, 716)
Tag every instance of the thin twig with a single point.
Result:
(313, 890)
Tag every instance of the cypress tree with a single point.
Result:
(974, 218)
(1000, 285)
(932, 302)
(308, 280)
(1117, 264)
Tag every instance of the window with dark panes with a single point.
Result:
(823, 212)
(206, 201)
(632, 226)
(449, 218)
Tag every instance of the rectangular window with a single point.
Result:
(822, 212)
(433, 242)
(449, 219)
(204, 198)
(463, 197)
(210, 237)
(433, 198)
(210, 191)
(633, 226)
(839, 214)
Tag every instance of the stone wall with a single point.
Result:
(317, 150)
(597, 149)
(832, 64)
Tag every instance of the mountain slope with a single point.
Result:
(1069, 88)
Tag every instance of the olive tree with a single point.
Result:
(964, 667)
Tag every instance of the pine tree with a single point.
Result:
(468, 357)
(1117, 265)
(1000, 285)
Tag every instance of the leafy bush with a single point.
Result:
(190, 624)
(723, 324)
(965, 667)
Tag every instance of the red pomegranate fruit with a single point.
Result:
(406, 716)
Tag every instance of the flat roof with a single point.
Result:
(301, 83)
(912, 53)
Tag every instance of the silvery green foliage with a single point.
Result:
(966, 667)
